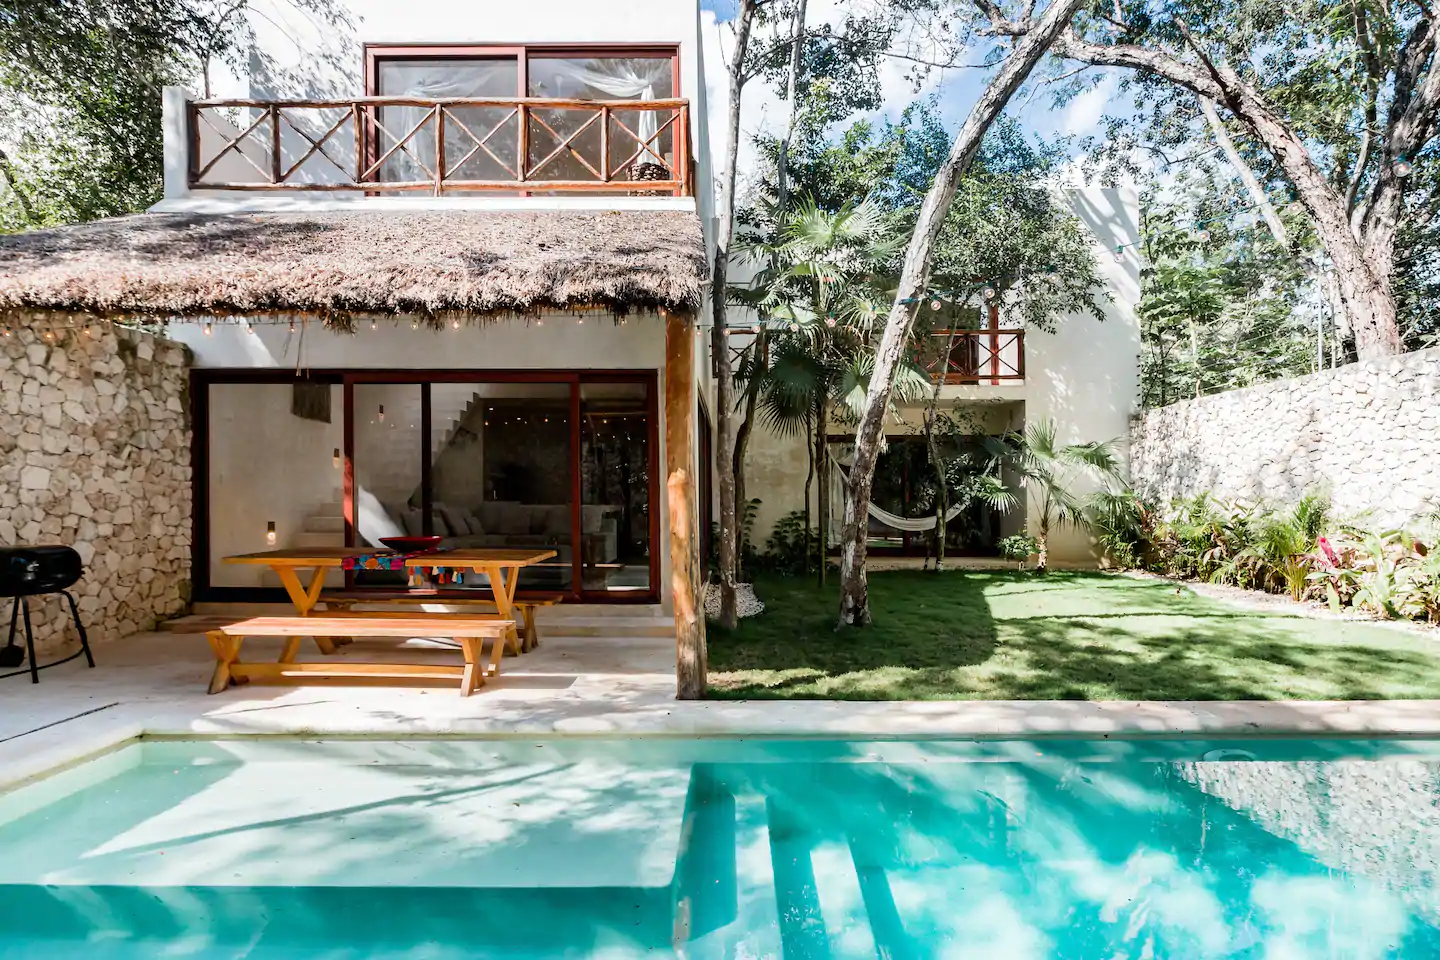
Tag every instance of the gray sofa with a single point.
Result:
(510, 524)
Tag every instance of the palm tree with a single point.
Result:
(1049, 474)
(817, 290)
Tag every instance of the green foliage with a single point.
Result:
(1220, 312)
(1300, 551)
(788, 548)
(1050, 474)
(1007, 225)
(1018, 548)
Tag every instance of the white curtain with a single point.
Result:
(442, 79)
(623, 79)
(839, 475)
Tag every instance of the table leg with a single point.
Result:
(305, 598)
(505, 606)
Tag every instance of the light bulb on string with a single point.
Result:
(1120, 254)
(988, 293)
(455, 324)
(49, 334)
(374, 325)
(414, 324)
(250, 329)
(209, 328)
(292, 326)
(1204, 235)
(936, 305)
(1403, 167)
(829, 321)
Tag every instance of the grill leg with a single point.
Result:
(29, 640)
(14, 619)
(80, 628)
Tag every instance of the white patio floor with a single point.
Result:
(154, 684)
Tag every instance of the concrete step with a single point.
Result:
(325, 523)
(311, 538)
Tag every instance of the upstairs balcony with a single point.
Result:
(408, 145)
(985, 357)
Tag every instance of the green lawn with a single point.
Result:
(1065, 636)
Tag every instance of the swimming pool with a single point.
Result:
(440, 849)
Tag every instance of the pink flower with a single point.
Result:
(1329, 552)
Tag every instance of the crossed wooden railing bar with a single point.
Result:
(259, 145)
(996, 355)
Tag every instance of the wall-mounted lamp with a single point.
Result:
(270, 533)
(336, 458)
(381, 414)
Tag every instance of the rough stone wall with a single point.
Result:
(1368, 433)
(95, 454)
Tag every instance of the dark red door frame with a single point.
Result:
(202, 378)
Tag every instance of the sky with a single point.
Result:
(956, 89)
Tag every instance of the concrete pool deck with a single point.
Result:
(154, 685)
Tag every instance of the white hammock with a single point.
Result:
(915, 525)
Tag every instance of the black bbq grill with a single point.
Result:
(27, 572)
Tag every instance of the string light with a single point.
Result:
(1120, 253)
(414, 324)
(4, 332)
(936, 305)
(292, 326)
(209, 328)
(988, 293)
(374, 325)
(1403, 167)
(250, 329)
(455, 324)
(1204, 236)
(49, 334)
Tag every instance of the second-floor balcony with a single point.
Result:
(985, 357)
(442, 146)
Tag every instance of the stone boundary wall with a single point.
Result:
(1367, 433)
(95, 454)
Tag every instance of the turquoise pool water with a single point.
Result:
(433, 850)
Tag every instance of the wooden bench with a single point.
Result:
(468, 631)
(528, 637)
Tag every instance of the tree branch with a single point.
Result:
(1247, 176)
(7, 169)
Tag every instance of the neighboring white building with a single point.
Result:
(502, 348)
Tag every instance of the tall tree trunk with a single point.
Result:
(7, 170)
(719, 346)
(1363, 268)
(854, 586)
(932, 446)
(797, 48)
(822, 492)
(1246, 175)
(742, 502)
(809, 479)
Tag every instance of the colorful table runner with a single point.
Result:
(390, 560)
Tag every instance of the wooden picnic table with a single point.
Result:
(501, 566)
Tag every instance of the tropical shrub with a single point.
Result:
(789, 546)
(1018, 549)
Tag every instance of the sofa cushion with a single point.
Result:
(514, 518)
(592, 519)
(550, 520)
(455, 520)
(491, 511)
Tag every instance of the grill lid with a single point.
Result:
(25, 571)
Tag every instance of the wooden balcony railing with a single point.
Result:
(440, 146)
(992, 356)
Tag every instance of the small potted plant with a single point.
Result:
(1018, 549)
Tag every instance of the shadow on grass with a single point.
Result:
(1068, 636)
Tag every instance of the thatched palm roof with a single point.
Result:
(337, 263)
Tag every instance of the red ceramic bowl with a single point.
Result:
(411, 544)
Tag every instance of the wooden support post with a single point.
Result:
(680, 487)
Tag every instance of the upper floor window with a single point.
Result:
(504, 143)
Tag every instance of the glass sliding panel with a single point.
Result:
(466, 128)
(503, 472)
(615, 486)
(273, 460)
(388, 449)
(603, 78)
